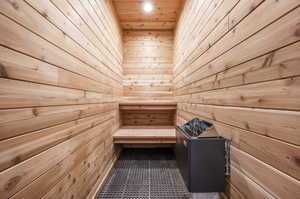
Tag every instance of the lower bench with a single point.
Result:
(145, 136)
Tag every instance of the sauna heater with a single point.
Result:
(201, 157)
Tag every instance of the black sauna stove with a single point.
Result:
(202, 156)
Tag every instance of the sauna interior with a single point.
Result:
(83, 80)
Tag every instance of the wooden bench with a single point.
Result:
(146, 122)
(147, 105)
(145, 135)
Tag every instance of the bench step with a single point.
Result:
(145, 135)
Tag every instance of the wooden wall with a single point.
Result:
(237, 64)
(133, 17)
(60, 78)
(147, 118)
(147, 65)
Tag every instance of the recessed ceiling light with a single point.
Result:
(148, 7)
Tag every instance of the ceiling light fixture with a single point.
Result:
(148, 7)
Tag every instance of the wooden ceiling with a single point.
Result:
(163, 17)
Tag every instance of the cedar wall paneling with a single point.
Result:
(148, 117)
(133, 17)
(60, 78)
(237, 64)
(148, 58)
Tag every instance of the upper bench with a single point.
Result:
(146, 122)
(147, 105)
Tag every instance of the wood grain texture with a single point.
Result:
(146, 74)
(147, 85)
(60, 81)
(241, 73)
(144, 133)
(153, 116)
(65, 88)
(145, 136)
(163, 17)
